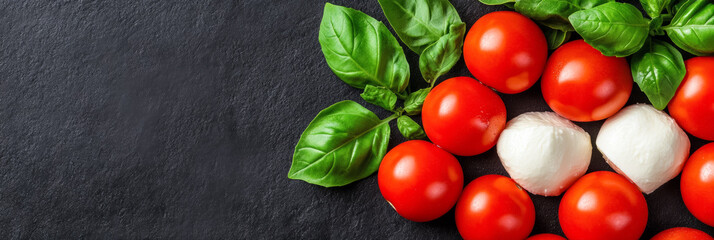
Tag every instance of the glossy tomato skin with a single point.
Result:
(421, 181)
(546, 236)
(682, 233)
(494, 207)
(697, 184)
(693, 103)
(463, 116)
(506, 51)
(581, 84)
(603, 205)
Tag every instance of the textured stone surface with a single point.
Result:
(160, 119)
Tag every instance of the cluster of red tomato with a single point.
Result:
(508, 52)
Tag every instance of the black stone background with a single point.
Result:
(168, 119)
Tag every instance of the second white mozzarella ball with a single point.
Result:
(544, 152)
(643, 144)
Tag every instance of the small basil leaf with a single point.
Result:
(439, 57)
(344, 143)
(555, 37)
(656, 26)
(653, 8)
(692, 28)
(496, 2)
(551, 13)
(616, 29)
(360, 50)
(415, 101)
(409, 128)
(420, 23)
(658, 69)
(380, 96)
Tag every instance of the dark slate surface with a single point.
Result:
(155, 119)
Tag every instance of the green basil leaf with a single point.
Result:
(496, 2)
(380, 96)
(344, 143)
(554, 13)
(555, 37)
(420, 23)
(658, 69)
(409, 128)
(588, 4)
(654, 7)
(678, 6)
(692, 27)
(551, 13)
(415, 101)
(439, 57)
(616, 29)
(360, 50)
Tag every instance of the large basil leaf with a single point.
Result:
(379, 96)
(654, 7)
(409, 128)
(439, 57)
(554, 13)
(420, 23)
(616, 29)
(658, 69)
(344, 143)
(555, 37)
(496, 2)
(415, 101)
(360, 50)
(692, 27)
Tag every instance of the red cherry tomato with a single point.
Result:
(421, 181)
(693, 104)
(463, 116)
(546, 236)
(697, 184)
(494, 207)
(506, 51)
(603, 205)
(682, 233)
(581, 84)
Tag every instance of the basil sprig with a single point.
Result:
(360, 50)
(692, 27)
(658, 69)
(430, 28)
(344, 143)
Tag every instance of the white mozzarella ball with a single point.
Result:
(544, 152)
(643, 144)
